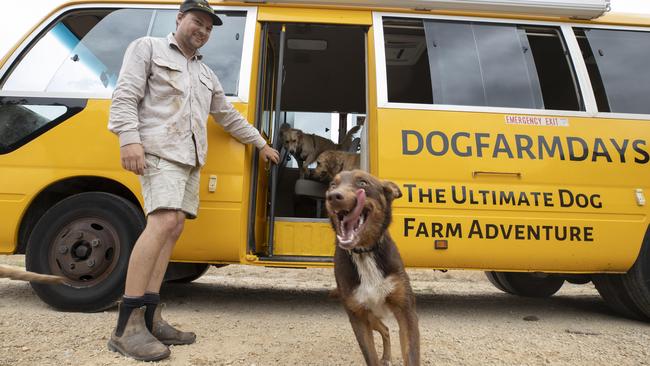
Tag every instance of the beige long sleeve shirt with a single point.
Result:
(162, 100)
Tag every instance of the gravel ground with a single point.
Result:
(246, 315)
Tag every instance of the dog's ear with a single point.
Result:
(391, 190)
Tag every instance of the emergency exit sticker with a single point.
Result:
(537, 121)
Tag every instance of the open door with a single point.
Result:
(313, 79)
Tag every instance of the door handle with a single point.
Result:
(478, 173)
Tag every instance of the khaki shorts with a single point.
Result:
(170, 185)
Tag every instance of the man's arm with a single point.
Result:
(236, 125)
(128, 93)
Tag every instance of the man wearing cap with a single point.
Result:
(159, 111)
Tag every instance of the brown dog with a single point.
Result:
(306, 147)
(330, 163)
(369, 272)
(16, 273)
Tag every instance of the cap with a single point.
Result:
(200, 5)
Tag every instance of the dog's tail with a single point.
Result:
(349, 137)
(16, 273)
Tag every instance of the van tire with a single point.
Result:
(612, 290)
(629, 293)
(492, 277)
(87, 238)
(527, 284)
(185, 272)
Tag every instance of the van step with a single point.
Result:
(295, 258)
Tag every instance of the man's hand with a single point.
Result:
(133, 158)
(268, 152)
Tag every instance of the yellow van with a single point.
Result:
(517, 130)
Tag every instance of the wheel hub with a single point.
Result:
(85, 251)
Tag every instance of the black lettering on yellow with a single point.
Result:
(409, 190)
(454, 144)
(405, 142)
(425, 194)
(620, 149)
(548, 199)
(491, 231)
(440, 195)
(475, 229)
(444, 143)
(422, 230)
(480, 145)
(556, 146)
(637, 146)
(507, 198)
(501, 146)
(523, 199)
(524, 144)
(463, 193)
(589, 233)
(407, 225)
(600, 150)
(573, 155)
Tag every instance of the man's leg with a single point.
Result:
(131, 336)
(154, 244)
(162, 330)
(160, 267)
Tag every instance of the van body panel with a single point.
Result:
(319, 16)
(464, 180)
(51, 159)
(304, 239)
(394, 152)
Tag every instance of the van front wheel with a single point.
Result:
(87, 238)
(525, 284)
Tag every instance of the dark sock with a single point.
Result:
(151, 301)
(127, 306)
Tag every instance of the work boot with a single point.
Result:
(136, 341)
(166, 333)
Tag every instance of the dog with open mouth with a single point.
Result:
(369, 271)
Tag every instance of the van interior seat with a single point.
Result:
(312, 189)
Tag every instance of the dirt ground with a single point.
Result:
(246, 315)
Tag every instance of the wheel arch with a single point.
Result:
(62, 189)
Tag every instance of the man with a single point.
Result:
(159, 111)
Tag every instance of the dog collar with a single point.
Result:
(365, 250)
(373, 248)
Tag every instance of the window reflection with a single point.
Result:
(223, 51)
(82, 53)
(19, 121)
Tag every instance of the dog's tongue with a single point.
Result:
(350, 221)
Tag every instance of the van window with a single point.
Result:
(81, 53)
(617, 62)
(223, 52)
(22, 119)
(478, 64)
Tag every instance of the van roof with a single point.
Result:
(587, 11)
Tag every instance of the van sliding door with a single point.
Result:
(313, 81)
(483, 124)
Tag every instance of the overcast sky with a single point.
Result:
(16, 19)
